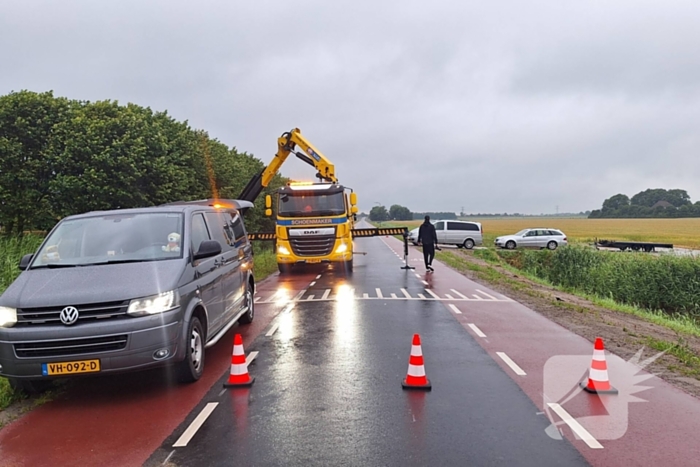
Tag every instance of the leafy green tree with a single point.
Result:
(378, 213)
(27, 122)
(616, 202)
(400, 213)
(652, 196)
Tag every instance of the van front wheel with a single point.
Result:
(192, 367)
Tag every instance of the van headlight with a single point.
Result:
(154, 304)
(283, 250)
(8, 316)
(342, 248)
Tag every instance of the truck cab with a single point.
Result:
(314, 224)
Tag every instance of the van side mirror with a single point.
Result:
(268, 202)
(207, 249)
(24, 262)
(353, 199)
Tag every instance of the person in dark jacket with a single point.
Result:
(428, 238)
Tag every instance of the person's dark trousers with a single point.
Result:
(428, 254)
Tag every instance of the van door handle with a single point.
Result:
(218, 263)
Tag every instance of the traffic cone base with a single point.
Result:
(415, 378)
(409, 385)
(238, 376)
(598, 380)
(248, 383)
(591, 388)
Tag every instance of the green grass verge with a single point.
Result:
(265, 262)
(681, 323)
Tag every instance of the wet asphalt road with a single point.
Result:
(328, 387)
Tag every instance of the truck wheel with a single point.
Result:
(191, 368)
(247, 317)
(284, 268)
(552, 245)
(468, 244)
(510, 245)
(30, 386)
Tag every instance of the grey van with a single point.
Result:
(127, 290)
(464, 234)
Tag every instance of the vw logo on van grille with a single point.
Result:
(69, 315)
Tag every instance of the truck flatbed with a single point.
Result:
(634, 246)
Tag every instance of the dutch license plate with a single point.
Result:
(70, 368)
(312, 261)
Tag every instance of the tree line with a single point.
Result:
(395, 213)
(655, 202)
(60, 157)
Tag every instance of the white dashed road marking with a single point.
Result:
(272, 330)
(455, 309)
(484, 293)
(379, 293)
(195, 425)
(575, 426)
(326, 294)
(513, 366)
(476, 330)
(453, 290)
(432, 293)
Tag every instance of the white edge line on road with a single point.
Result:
(425, 282)
(513, 366)
(251, 356)
(195, 425)
(476, 330)
(272, 330)
(575, 426)
(455, 309)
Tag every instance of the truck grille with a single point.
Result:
(51, 315)
(320, 245)
(67, 347)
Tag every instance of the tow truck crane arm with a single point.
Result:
(285, 145)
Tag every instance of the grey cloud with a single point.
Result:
(500, 106)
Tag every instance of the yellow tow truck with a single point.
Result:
(314, 220)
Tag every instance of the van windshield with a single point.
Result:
(112, 238)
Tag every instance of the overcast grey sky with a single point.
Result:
(494, 106)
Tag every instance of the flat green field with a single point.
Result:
(684, 233)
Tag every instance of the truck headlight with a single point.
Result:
(154, 304)
(8, 316)
(283, 250)
(342, 248)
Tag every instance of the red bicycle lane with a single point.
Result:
(649, 422)
(121, 419)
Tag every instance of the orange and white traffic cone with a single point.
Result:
(239, 368)
(598, 382)
(416, 379)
